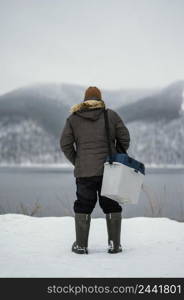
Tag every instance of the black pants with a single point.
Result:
(87, 189)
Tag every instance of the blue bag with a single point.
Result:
(123, 158)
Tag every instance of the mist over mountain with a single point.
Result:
(70, 94)
(32, 118)
(49, 104)
(156, 126)
(31, 103)
(164, 105)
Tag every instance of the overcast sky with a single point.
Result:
(108, 43)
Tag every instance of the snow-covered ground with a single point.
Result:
(41, 247)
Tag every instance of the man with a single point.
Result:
(85, 128)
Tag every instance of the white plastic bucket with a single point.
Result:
(121, 183)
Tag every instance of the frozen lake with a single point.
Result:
(50, 191)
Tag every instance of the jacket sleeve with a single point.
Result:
(122, 133)
(66, 142)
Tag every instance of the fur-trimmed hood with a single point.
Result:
(88, 104)
(89, 109)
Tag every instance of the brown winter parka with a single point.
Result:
(84, 141)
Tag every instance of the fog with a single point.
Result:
(112, 44)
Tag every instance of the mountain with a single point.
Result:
(30, 103)
(156, 126)
(165, 104)
(32, 118)
(25, 141)
(115, 99)
(49, 103)
(70, 94)
(159, 142)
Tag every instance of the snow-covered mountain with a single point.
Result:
(158, 142)
(30, 103)
(156, 126)
(164, 105)
(70, 94)
(32, 119)
(24, 141)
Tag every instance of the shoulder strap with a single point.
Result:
(119, 147)
(108, 135)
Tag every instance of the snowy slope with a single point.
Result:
(24, 141)
(32, 119)
(40, 247)
(158, 142)
(165, 105)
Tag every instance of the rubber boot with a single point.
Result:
(113, 221)
(82, 225)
